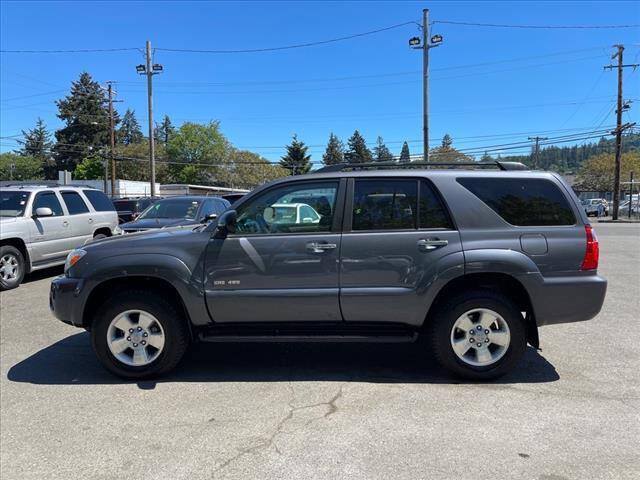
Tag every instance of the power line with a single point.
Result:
(84, 50)
(500, 25)
(289, 47)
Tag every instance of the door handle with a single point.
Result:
(91, 220)
(432, 243)
(315, 247)
(65, 224)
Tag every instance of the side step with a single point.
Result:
(309, 332)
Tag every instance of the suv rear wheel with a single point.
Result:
(139, 334)
(479, 335)
(12, 267)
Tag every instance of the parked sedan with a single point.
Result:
(177, 211)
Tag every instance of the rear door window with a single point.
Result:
(74, 202)
(99, 200)
(522, 201)
(433, 214)
(385, 205)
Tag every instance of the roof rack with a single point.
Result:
(504, 166)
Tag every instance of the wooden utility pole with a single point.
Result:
(619, 126)
(536, 149)
(112, 141)
(425, 83)
(152, 143)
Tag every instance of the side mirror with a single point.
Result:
(226, 224)
(43, 212)
(208, 218)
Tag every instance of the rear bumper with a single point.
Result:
(568, 299)
(64, 300)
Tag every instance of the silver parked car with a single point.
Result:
(40, 225)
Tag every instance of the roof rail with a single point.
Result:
(504, 166)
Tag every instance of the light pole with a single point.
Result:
(150, 69)
(425, 44)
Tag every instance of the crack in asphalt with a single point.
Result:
(271, 439)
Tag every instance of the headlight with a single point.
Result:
(73, 258)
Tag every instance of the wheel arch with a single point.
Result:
(494, 281)
(22, 247)
(101, 292)
(103, 230)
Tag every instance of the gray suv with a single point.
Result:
(40, 225)
(475, 260)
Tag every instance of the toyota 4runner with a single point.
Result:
(474, 259)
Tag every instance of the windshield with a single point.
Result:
(13, 203)
(172, 208)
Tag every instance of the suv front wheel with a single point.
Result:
(12, 267)
(479, 335)
(139, 334)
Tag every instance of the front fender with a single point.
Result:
(171, 269)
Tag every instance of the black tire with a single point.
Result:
(170, 318)
(99, 236)
(445, 317)
(9, 251)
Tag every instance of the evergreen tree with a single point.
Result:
(296, 161)
(37, 144)
(86, 115)
(486, 158)
(334, 153)
(129, 131)
(358, 151)
(381, 152)
(447, 154)
(405, 156)
(164, 130)
(447, 141)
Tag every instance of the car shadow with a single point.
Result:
(50, 272)
(72, 361)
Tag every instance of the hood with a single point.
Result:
(149, 223)
(144, 242)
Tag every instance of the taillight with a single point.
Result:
(591, 255)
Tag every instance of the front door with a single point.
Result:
(396, 235)
(50, 236)
(279, 265)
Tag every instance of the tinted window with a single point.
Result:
(125, 205)
(385, 204)
(432, 212)
(12, 204)
(48, 200)
(173, 208)
(522, 202)
(99, 200)
(213, 206)
(74, 203)
(275, 211)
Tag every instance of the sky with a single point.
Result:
(488, 85)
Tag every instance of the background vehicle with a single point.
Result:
(39, 226)
(177, 211)
(233, 197)
(595, 206)
(130, 208)
(476, 260)
(623, 208)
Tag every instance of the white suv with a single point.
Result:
(40, 225)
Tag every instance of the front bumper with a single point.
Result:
(65, 300)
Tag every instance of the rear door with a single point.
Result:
(275, 268)
(51, 237)
(396, 232)
(80, 218)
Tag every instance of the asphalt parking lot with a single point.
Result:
(571, 411)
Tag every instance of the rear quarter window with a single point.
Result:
(99, 200)
(522, 201)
